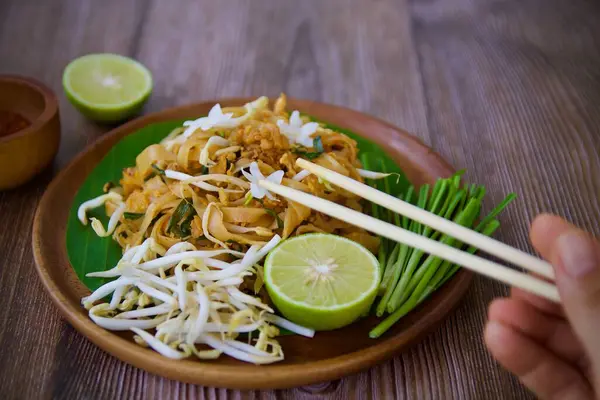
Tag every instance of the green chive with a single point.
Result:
(389, 267)
(386, 189)
(150, 176)
(448, 270)
(157, 170)
(408, 197)
(415, 297)
(396, 269)
(431, 263)
(408, 277)
(412, 254)
(132, 215)
(389, 321)
(318, 144)
(180, 222)
(398, 294)
(497, 210)
(276, 216)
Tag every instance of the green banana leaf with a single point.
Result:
(90, 253)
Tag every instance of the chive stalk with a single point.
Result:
(417, 295)
(427, 269)
(376, 212)
(391, 276)
(408, 198)
(389, 267)
(447, 271)
(413, 258)
(409, 277)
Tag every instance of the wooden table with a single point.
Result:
(508, 89)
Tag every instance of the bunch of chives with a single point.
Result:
(409, 275)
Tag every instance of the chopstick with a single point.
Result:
(469, 261)
(465, 235)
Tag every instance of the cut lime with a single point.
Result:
(107, 87)
(321, 281)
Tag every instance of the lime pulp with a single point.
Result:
(321, 281)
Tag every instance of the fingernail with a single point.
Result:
(493, 330)
(495, 337)
(578, 253)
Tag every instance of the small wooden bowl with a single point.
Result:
(25, 153)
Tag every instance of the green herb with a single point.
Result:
(248, 198)
(272, 213)
(185, 228)
(156, 218)
(431, 263)
(276, 216)
(221, 133)
(158, 170)
(447, 270)
(132, 215)
(389, 265)
(375, 211)
(310, 155)
(204, 170)
(180, 222)
(318, 144)
(411, 255)
(155, 171)
(395, 265)
(410, 275)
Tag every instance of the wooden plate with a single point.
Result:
(329, 355)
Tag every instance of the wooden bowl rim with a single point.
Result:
(50, 105)
(244, 376)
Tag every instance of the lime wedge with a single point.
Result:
(321, 281)
(107, 87)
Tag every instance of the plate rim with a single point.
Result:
(245, 376)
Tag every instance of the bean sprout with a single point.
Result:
(188, 307)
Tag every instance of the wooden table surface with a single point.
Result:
(509, 89)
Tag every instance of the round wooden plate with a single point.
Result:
(329, 355)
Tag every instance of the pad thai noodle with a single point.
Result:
(194, 226)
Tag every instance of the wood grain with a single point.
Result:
(506, 88)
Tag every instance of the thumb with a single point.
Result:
(576, 259)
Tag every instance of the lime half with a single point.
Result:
(107, 87)
(321, 281)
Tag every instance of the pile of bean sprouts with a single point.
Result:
(191, 299)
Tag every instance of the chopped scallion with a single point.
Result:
(132, 215)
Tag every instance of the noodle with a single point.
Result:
(191, 207)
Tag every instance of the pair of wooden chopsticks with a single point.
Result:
(397, 234)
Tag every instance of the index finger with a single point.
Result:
(545, 306)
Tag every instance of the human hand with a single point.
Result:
(554, 350)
